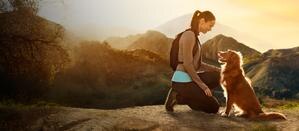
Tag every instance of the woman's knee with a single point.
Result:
(212, 106)
(215, 108)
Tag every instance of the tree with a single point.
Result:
(15, 5)
(31, 53)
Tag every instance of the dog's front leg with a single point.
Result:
(229, 104)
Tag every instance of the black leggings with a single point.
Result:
(193, 96)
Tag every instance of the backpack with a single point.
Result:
(174, 51)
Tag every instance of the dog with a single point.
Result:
(238, 90)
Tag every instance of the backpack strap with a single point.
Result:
(195, 48)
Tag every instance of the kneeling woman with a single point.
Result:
(189, 86)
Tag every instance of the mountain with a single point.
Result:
(122, 42)
(174, 26)
(100, 33)
(222, 43)
(179, 24)
(153, 41)
(276, 73)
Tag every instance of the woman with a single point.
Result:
(188, 85)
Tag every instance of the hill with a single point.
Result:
(122, 42)
(223, 43)
(276, 73)
(103, 77)
(153, 41)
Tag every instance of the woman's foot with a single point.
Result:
(171, 100)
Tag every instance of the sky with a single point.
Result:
(273, 21)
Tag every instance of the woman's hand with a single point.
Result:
(217, 69)
(208, 92)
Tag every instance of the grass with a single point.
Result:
(289, 106)
(279, 104)
(17, 105)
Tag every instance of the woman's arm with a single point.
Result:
(188, 41)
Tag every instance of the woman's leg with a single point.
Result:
(200, 101)
(195, 98)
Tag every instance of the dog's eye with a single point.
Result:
(232, 56)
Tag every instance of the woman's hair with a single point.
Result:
(207, 15)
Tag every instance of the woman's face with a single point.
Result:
(204, 26)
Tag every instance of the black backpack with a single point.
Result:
(174, 61)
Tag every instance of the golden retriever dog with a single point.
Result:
(238, 90)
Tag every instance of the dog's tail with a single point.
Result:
(271, 116)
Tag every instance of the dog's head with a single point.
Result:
(230, 57)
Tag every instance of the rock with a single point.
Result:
(156, 118)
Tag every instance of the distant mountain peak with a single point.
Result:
(179, 24)
(226, 38)
(281, 52)
(223, 43)
(154, 33)
(220, 36)
(154, 41)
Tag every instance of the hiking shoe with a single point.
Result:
(171, 100)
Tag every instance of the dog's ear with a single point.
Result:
(239, 54)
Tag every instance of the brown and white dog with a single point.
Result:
(238, 90)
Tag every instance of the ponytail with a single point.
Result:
(194, 22)
(197, 15)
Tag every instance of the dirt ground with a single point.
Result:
(154, 118)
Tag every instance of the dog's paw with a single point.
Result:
(223, 114)
(241, 115)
